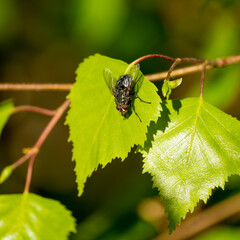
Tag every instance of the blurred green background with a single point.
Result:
(44, 41)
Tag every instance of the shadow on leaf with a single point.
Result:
(161, 124)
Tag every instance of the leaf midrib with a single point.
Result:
(100, 125)
(20, 215)
(193, 134)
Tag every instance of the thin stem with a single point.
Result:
(52, 123)
(219, 63)
(29, 173)
(147, 57)
(35, 86)
(176, 73)
(153, 56)
(23, 159)
(35, 149)
(194, 60)
(202, 80)
(28, 108)
(175, 63)
(182, 60)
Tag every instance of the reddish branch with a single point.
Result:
(221, 62)
(28, 108)
(35, 86)
(35, 149)
(23, 158)
(42, 138)
(32, 153)
(202, 79)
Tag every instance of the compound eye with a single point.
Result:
(118, 108)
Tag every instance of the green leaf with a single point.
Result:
(6, 172)
(175, 83)
(6, 109)
(166, 89)
(195, 149)
(169, 85)
(29, 216)
(98, 131)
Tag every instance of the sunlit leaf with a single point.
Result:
(6, 109)
(5, 174)
(98, 131)
(166, 89)
(169, 85)
(29, 216)
(175, 83)
(196, 149)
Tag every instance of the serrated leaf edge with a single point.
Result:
(206, 196)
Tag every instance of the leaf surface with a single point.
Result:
(98, 131)
(195, 149)
(6, 108)
(29, 216)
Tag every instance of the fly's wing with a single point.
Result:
(110, 80)
(136, 77)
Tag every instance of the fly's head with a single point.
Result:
(123, 109)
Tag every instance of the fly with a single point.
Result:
(125, 89)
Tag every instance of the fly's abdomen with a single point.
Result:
(121, 97)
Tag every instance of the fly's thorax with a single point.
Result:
(123, 82)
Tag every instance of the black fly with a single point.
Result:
(125, 88)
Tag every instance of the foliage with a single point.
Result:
(195, 149)
(6, 109)
(98, 131)
(28, 216)
(169, 85)
(43, 42)
(5, 174)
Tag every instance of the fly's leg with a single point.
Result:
(141, 99)
(132, 107)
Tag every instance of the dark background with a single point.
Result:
(44, 41)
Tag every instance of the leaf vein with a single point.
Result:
(213, 138)
(220, 123)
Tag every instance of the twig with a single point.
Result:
(23, 158)
(35, 86)
(176, 73)
(211, 216)
(28, 108)
(182, 60)
(29, 173)
(221, 62)
(147, 57)
(35, 149)
(52, 123)
(42, 138)
(202, 80)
